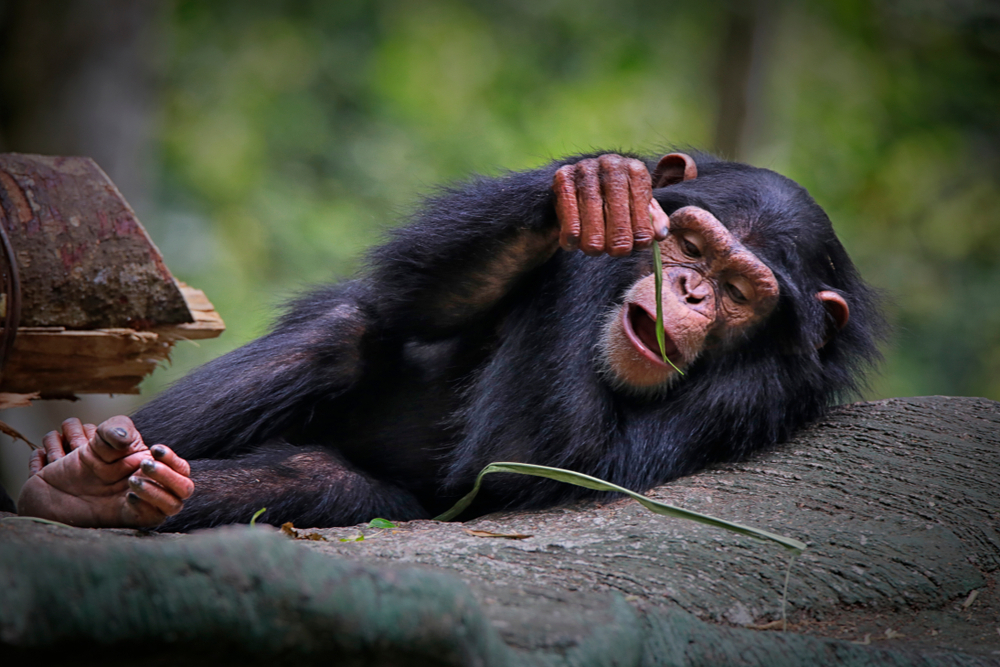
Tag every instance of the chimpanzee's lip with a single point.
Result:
(640, 327)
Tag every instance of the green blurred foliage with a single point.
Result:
(296, 133)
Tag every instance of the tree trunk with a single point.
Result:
(898, 501)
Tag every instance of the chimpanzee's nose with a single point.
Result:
(694, 287)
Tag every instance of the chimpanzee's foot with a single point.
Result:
(104, 476)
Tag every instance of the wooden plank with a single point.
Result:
(58, 362)
(207, 323)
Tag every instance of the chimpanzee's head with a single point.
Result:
(750, 261)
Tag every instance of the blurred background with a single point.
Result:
(266, 145)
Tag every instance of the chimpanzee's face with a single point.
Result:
(714, 288)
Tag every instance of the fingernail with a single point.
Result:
(120, 432)
(135, 482)
(132, 498)
(148, 466)
(159, 451)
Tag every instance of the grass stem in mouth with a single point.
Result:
(660, 333)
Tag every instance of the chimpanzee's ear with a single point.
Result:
(674, 168)
(838, 310)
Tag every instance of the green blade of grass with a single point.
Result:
(586, 481)
(658, 279)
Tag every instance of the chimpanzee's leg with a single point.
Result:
(230, 418)
(255, 393)
(309, 486)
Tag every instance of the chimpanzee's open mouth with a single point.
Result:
(640, 326)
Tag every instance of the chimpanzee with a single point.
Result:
(479, 333)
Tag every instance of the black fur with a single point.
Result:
(465, 343)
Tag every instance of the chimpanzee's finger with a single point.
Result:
(116, 438)
(78, 441)
(174, 483)
(641, 193)
(164, 454)
(142, 513)
(567, 211)
(118, 432)
(90, 430)
(54, 447)
(661, 222)
(74, 435)
(113, 472)
(155, 495)
(36, 462)
(588, 195)
(617, 220)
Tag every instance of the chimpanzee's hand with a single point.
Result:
(104, 476)
(605, 204)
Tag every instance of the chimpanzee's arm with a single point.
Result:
(464, 251)
(469, 246)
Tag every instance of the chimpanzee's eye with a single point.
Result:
(735, 294)
(689, 248)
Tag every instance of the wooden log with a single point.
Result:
(99, 309)
(84, 260)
